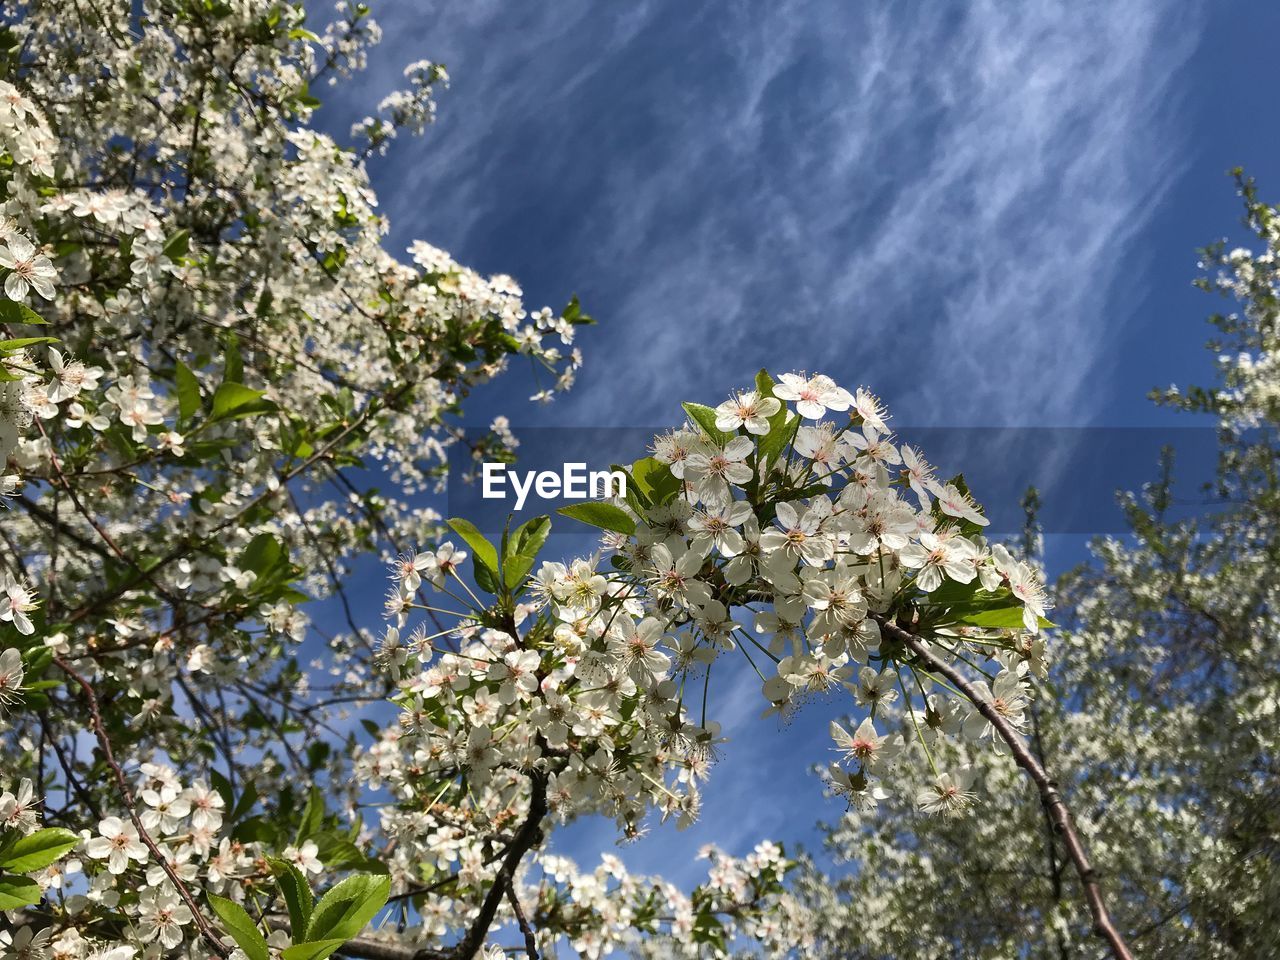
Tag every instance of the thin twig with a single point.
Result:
(1049, 794)
(530, 940)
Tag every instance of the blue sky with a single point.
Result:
(985, 212)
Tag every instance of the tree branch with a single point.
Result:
(1049, 795)
(529, 834)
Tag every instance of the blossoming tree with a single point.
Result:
(1159, 714)
(212, 372)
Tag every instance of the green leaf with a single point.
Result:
(782, 425)
(37, 850)
(248, 797)
(348, 907)
(1004, 617)
(484, 555)
(178, 245)
(233, 401)
(603, 515)
(313, 950)
(234, 372)
(263, 554)
(654, 479)
(523, 548)
(312, 816)
(188, 392)
(764, 383)
(782, 428)
(481, 548)
(954, 592)
(36, 659)
(18, 892)
(21, 342)
(14, 312)
(223, 788)
(337, 852)
(257, 830)
(705, 417)
(573, 313)
(1009, 618)
(486, 579)
(305, 98)
(241, 927)
(530, 535)
(296, 892)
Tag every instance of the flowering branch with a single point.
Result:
(126, 794)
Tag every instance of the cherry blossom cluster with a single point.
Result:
(1248, 393)
(787, 524)
(200, 331)
(110, 897)
(610, 910)
(28, 144)
(412, 109)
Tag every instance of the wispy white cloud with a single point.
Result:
(933, 199)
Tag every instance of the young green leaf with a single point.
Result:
(1003, 617)
(347, 907)
(530, 536)
(263, 554)
(13, 312)
(234, 401)
(573, 313)
(21, 342)
(481, 548)
(296, 892)
(222, 786)
(782, 428)
(484, 555)
(523, 548)
(37, 850)
(241, 927)
(248, 797)
(312, 950)
(188, 389)
(705, 417)
(16, 892)
(312, 816)
(603, 515)
(764, 383)
(178, 245)
(654, 479)
(337, 852)
(486, 579)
